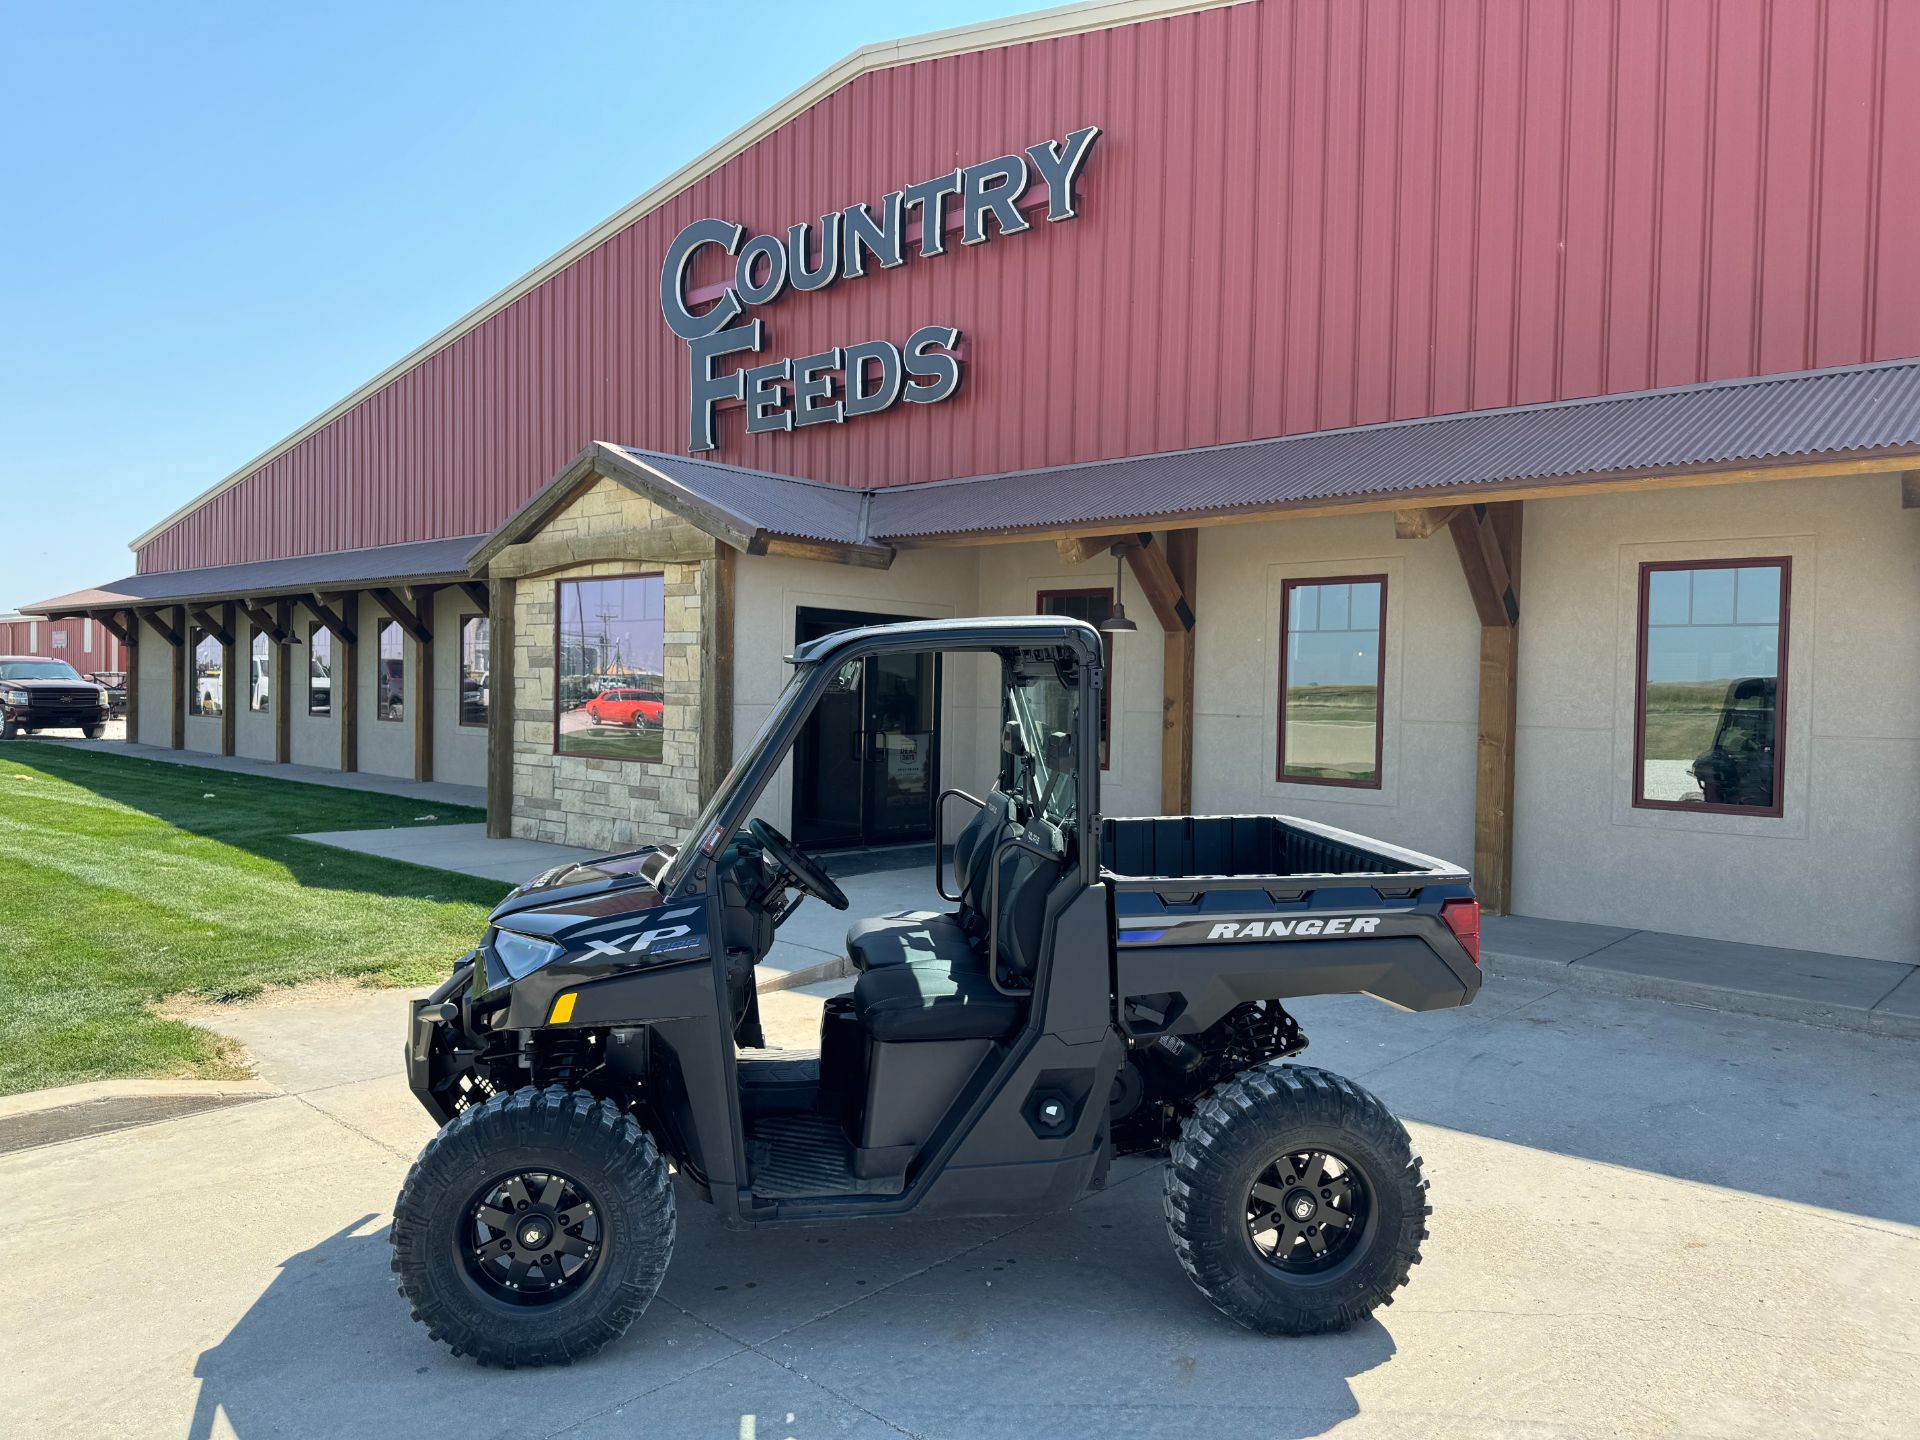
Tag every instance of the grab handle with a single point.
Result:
(939, 828)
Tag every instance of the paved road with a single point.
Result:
(1649, 1221)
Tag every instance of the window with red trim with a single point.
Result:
(1710, 685)
(1333, 667)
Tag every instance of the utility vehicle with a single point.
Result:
(1102, 987)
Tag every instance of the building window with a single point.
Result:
(259, 668)
(1711, 690)
(319, 670)
(205, 697)
(1333, 668)
(610, 671)
(390, 694)
(474, 638)
(1092, 606)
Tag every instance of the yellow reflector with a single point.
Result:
(562, 1009)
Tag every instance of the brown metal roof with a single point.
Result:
(426, 560)
(1724, 423)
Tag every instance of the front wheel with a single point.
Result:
(534, 1229)
(93, 732)
(1295, 1201)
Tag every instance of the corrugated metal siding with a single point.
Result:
(87, 646)
(1304, 214)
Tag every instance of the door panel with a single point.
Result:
(866, 767)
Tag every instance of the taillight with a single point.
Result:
(1463, 919)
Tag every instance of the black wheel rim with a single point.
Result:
(1307, 1212)
(531, 1237)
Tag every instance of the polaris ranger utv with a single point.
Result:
(1101, 987)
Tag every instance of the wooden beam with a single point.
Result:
(183, 680)
(1148, 562)
(329, 617)
(173, 635)
(475, 591)
(345, 686)
(400, 610)
(219, 628)
(1176, 674)
(1621, 483)
(1487, 538)
(716, 670)
(130, 658)
(423, 710)
(229, 678)
(1910, 490)
(277, 621)
(866, 557)
(1495, 596)
(281, 695)
(110, 622)
(674, 544)
(1419, 524)
(500, 716)
(1078, 549)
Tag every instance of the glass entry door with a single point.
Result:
(866, 768)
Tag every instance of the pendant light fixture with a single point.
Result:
(1117, 622)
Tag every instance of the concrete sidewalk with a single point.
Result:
(433, 792)
(1648, 1220)
(1846, 992)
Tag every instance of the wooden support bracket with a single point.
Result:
(1077, 549)
(1161, 586)
(167, 632)
(329, 617)
(1489, 576)
(110, 622)
(220, 627)
(1419, 524)
(400, 610)
(476, 591)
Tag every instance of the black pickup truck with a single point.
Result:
(41, 694)
(1100, 988)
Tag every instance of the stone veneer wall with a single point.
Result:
(579, 800)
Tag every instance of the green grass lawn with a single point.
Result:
(125, 881)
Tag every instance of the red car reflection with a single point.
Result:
(626, 707)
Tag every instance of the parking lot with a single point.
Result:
(1648, 1220)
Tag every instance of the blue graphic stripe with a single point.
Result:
(1139, 937)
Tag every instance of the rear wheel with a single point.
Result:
(1295, 1201)
(534, 1229)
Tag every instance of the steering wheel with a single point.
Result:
(796, 862)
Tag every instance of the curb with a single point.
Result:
(1705, 997)
(32, 1102)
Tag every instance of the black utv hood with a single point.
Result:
(632, 873)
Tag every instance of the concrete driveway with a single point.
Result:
(1648, 1220)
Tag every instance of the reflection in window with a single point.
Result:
(1712, 644)
(1094, 607)
(319, 670)
(390, 693)
(205, 697)
(1332, 659)
(474, 636)
(258, 669)
(610, 680)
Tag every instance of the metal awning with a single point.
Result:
(423, 562)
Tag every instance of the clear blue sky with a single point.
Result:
(218, 219)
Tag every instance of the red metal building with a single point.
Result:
(1301, 215)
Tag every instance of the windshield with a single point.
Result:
(703, 838)
(37, 670)
(1045, 712)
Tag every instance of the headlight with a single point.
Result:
(13, 697)
(523, 954)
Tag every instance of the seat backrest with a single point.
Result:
(1026, 880)
(972, 848)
